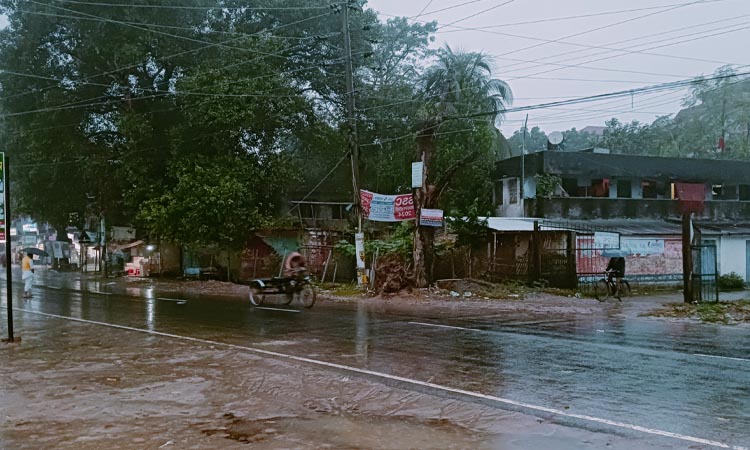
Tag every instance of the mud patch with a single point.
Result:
(349, 431)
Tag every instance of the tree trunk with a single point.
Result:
(424, 197)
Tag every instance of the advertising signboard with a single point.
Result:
(431, 217)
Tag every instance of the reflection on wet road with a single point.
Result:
(684, 378)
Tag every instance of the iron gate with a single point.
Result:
(588, 241)
(705, 275)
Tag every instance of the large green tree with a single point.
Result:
(459, 96)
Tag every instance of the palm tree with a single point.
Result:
(460, 83)
(458, 86)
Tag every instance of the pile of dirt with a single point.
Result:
(467, 287)
(391, 274)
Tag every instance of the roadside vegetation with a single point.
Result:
(729, 313)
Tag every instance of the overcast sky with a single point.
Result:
(706, 35)
(718, 32)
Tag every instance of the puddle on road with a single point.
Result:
(349, 431)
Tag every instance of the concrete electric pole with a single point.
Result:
(353, 147)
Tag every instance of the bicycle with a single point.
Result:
(608, 287)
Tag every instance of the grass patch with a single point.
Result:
(345, 290)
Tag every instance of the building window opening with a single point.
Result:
(745, 192)
(717, 191)
(499, 192)
(624, 189)
(598, 188)
(649, 189)
(570, 186)
(513, 191)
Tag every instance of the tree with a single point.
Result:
(536, 141)
(457, 92)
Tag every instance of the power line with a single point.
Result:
(172, 35)
(630, 41)
(629, 92)
(423, 9)
(174, 27)
(557, 19)
(649, 48)
(243, 8)
(604, 27)
(478, 13)
(605, 48)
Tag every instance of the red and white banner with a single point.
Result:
(387, 208)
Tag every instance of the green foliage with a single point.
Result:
(470, 224)
(731, 282)
(213, 202)
(400, 242)
(546, 184)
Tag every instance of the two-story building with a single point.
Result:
(635, 195)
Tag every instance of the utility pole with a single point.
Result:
(6, 229)
(353, 148)
(523, 167)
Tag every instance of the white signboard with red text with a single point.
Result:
(387, 208)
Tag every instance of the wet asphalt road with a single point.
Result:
(684, 378)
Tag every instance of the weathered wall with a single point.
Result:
(651, 259)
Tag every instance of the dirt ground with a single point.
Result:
(473, 298)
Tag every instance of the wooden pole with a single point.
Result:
(325, 267)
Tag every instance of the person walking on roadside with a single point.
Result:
(27, 274)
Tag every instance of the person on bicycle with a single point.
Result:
(616, 270)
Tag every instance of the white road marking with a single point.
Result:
(437, 325)
(100, 292)
(276, 309)
(722, 357)
(372, 373)
(178, 300)
(54, 287)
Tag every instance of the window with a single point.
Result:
(745, 192)
(499, 193)
(649, 189)
(570, 186)
(624, 189)
(513, 191)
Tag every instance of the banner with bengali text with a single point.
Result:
(387, 208)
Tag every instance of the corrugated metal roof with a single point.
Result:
(627, 227)
(510, 224)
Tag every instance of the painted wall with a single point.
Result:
(733, 255)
